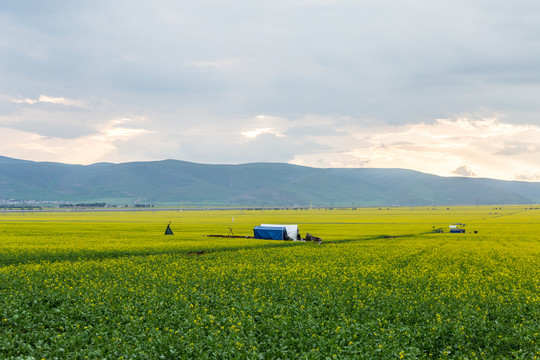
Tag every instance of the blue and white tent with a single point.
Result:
(270, 232)
(292, 230)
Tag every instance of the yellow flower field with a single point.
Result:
(382, 285)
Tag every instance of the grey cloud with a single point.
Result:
(7, 107)
(265, 148)
(402, 143)
(355, 163)
(145, 78)
(463, 171)
(516, 148)
(389, 61)
(302, 131)
(54, 129)
(398, 62)
(47, 122)
(523, 177)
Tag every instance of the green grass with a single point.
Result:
(381, 286)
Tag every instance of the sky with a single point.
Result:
(450, 88)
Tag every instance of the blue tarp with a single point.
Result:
(270, 232)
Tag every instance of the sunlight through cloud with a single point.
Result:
(257, 132)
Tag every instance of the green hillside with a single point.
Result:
(256, 184)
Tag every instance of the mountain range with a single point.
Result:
(170, 182)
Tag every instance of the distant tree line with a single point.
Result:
(99, 205)
(92, 205)
(20, 207)
(143, 205)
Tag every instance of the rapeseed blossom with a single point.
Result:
(409, 294)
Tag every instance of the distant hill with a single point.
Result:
(256, 184)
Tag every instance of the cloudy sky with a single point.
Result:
(444, 87)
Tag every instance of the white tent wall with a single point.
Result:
(292, 230)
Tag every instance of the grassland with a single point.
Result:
(381, 286)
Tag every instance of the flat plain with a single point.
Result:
(382, 285)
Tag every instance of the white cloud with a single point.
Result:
(111, 131)
(49, 99)
(442, 148)
(264, 124)
(489, 147)
(256, 132)
(85, 149)
(30, 146)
